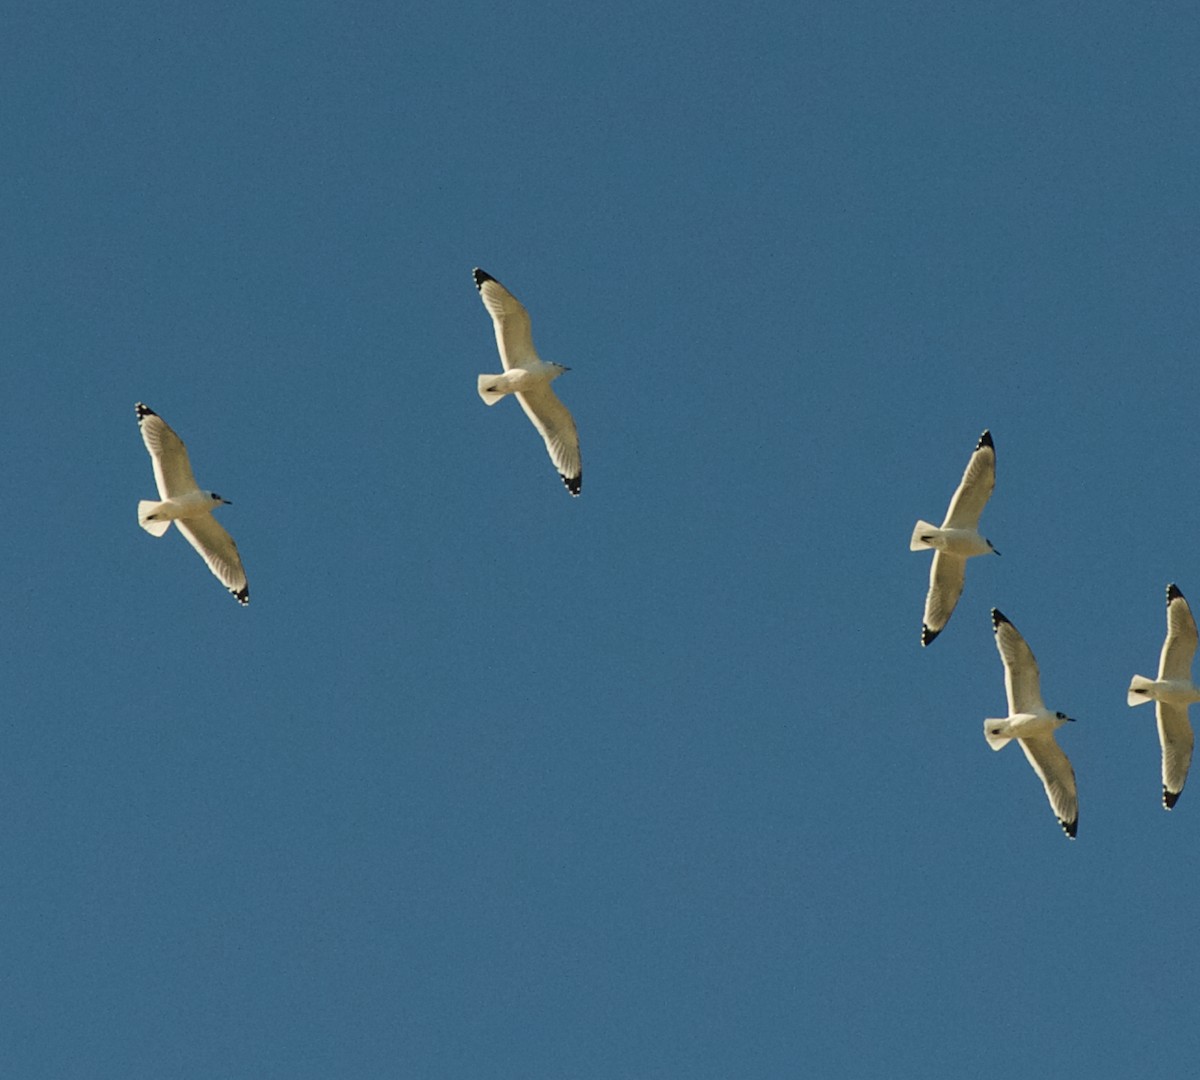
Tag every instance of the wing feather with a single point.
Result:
(975, 488)
(552, 418)
(172, 469)
(217, 548)
(1179, 648)
(1022, 682)
(1058, 778)
(1175, 735)
(946, 576)
(514, 334)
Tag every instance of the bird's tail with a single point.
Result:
(1139, 690)
(993, 731)
(921, 530)
(154, 526)
(487, 388)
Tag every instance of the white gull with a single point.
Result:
(1173, 691)
(529, 377)
(957, 539)
(182, 502)
(1032, 724)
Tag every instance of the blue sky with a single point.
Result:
(658, 782)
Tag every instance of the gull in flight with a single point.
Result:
(184, 503)
(529, 378)
(957, 539)
(1032, 724)
(1173, 691)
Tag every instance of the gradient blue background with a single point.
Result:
(656, 783)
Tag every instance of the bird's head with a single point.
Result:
(217, 499)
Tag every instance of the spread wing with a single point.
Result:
(172, 470)
(976, 486)
(1180, 645)
(551, 417)
(514, 337)
(945, 587)
(1051, 764)
(217, 549)
(1175, 734)
(1021, 680)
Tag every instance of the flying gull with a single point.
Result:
(184, 503)
(529, 378)
(957, 539)
(1032, 724)
(1173, 691)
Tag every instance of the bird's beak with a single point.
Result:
(226, 502)
(1070, 719)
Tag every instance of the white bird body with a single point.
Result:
(965, 543)
(189, 505)
(529, 377)
(1032, 724)
(1170, 691)
(957, 539)
(519, 380)
(181, 500)
(1173, 691)
(1000, 732)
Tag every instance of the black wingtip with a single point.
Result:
(998, 617)
(573, 483)
(1170, 798)
(242, 595)
(927, 635)
(985, 440)
(143, 411)
(1070, 827)
(480, 277)
(1173, 592)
